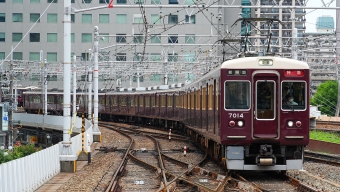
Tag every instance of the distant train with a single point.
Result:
(251, 113)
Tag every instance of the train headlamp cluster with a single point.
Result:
(291, 123)
(266, 62)
(232, 123)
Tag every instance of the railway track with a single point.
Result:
(322, 158)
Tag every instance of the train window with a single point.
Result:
(114, 101)
(237, 95)
(198, 100)
(265, 99)
(170, 101)
(147, 101)
(101, 100)
(50, 99)
(132, 103)
(108, 100)
(216, 93)
(293, 95)
(204, 94)
(192, 100)
(163, 101)
(141, 100)
(36, 99)
(210, 97)
(122, 101)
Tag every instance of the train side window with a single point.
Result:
(210, 97)
(198, 100)
(192, 100)
(50, 99)
(122, 101)
(101, 100)
(293, 95)
(132, 101)
(114, 101)
(163, 101)
(237, 95)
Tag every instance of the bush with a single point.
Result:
(18, 152)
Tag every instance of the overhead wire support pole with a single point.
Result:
(96, 131)
(337, 56)
(67, 158)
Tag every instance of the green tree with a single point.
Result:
(17, 152)
(326, 97)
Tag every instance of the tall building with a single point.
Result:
(321, 52)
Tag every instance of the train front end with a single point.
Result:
(264, 113)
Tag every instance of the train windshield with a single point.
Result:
(293, 95)
(237, 95)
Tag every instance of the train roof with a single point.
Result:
(253, 63)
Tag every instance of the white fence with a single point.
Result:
(31, 172)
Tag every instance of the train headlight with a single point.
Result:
(290, 123)
(240, 123)
(298, 123)
(232, 123)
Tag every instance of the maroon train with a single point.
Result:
(242, 112)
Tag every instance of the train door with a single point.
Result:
(265, 100)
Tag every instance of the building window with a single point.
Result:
(72, 18)
(121, 18)
(155, 57)
(173, 57)
(173, 2)
(72, 38)
(16, 37)
(17, 1)
(85, 56)
(190, 2)
(34, 1)
(34, 37)
(173, 38)
(86, 18)
(2, 37)
(35, 17)
(104, 1)
(17, 17)
(52, 37)
(156, 2)
(155, 19)
(139, 1)
(137, 57)
(86, 37)
(52, 57)
(156, 38)
(191, 19)
(86, 1)
(121, 57)
(52, 18)
(105, 39)
(120, 38)
(2, 17)
(121, 1)
(50, 1)
(138, 38)
(34, 56)
(173, 19)
(104, 18)
(17, 55)
(2, 55)
(190, 57)
(190, 38)
(137, 18)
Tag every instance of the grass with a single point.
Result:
(325, 136)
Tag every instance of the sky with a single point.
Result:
(312, 16)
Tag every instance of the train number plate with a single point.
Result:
(235, 115)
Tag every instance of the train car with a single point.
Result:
(241, 113)
(261, 128)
